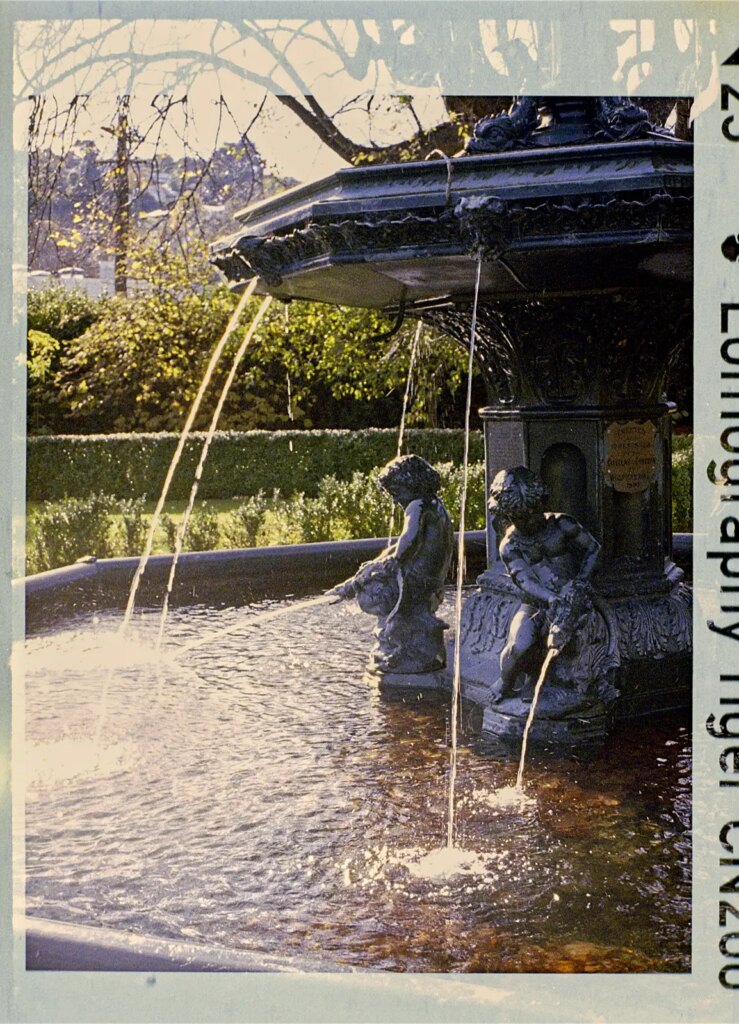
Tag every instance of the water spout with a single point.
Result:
(259, 619)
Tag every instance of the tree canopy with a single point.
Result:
(135, 364)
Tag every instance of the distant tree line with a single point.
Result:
(84, 206)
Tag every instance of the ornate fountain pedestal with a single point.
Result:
(578, 214)
(575, 384)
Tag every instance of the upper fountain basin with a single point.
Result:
(557, 219)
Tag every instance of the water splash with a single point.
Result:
(447, 862)
(182, 529)
(509, 798)
(456, 681)
(437, 865)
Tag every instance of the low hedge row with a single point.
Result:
(60, 532)
(238, 464)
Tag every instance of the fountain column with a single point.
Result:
(576, 387)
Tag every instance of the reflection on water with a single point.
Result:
(256, 794)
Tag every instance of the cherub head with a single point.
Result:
(516, 494)
(409, 477)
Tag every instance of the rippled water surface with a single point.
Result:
(255, 793)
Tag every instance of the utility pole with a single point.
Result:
(121, 195)
(122, 209)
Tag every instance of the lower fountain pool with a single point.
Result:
(251, 791)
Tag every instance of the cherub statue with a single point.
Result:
(550, 558)
(404, 585)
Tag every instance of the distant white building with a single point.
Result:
(74, 279)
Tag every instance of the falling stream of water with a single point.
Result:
(514, 797)
(408, 385)
(404, 413)
(460, 571)
(182, 529)
(449, 860)
(141, 567)
(532, 711)
(290, 414)
(217, 353)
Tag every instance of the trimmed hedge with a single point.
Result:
(238, 464)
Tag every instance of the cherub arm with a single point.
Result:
(523, 576)
(577, 534)
(400, 551)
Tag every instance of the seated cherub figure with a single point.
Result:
(550, 558)
(404, 585)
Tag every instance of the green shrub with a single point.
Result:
(450, 491)
(682, 488)
(366, 509)
(64, 313)
(203, 532)
(56, 317)
(133, 526)
(136, 363)
(64, 531)
(314, 519)
(168, 526)
(133, 465)
(355, 508)
(279, 527)
(140, 365)
(244, 523)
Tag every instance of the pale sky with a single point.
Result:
(206, 59)
(340, 62)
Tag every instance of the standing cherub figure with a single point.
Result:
(550, 557)
(404, 585)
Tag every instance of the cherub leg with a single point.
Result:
(523, 636)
